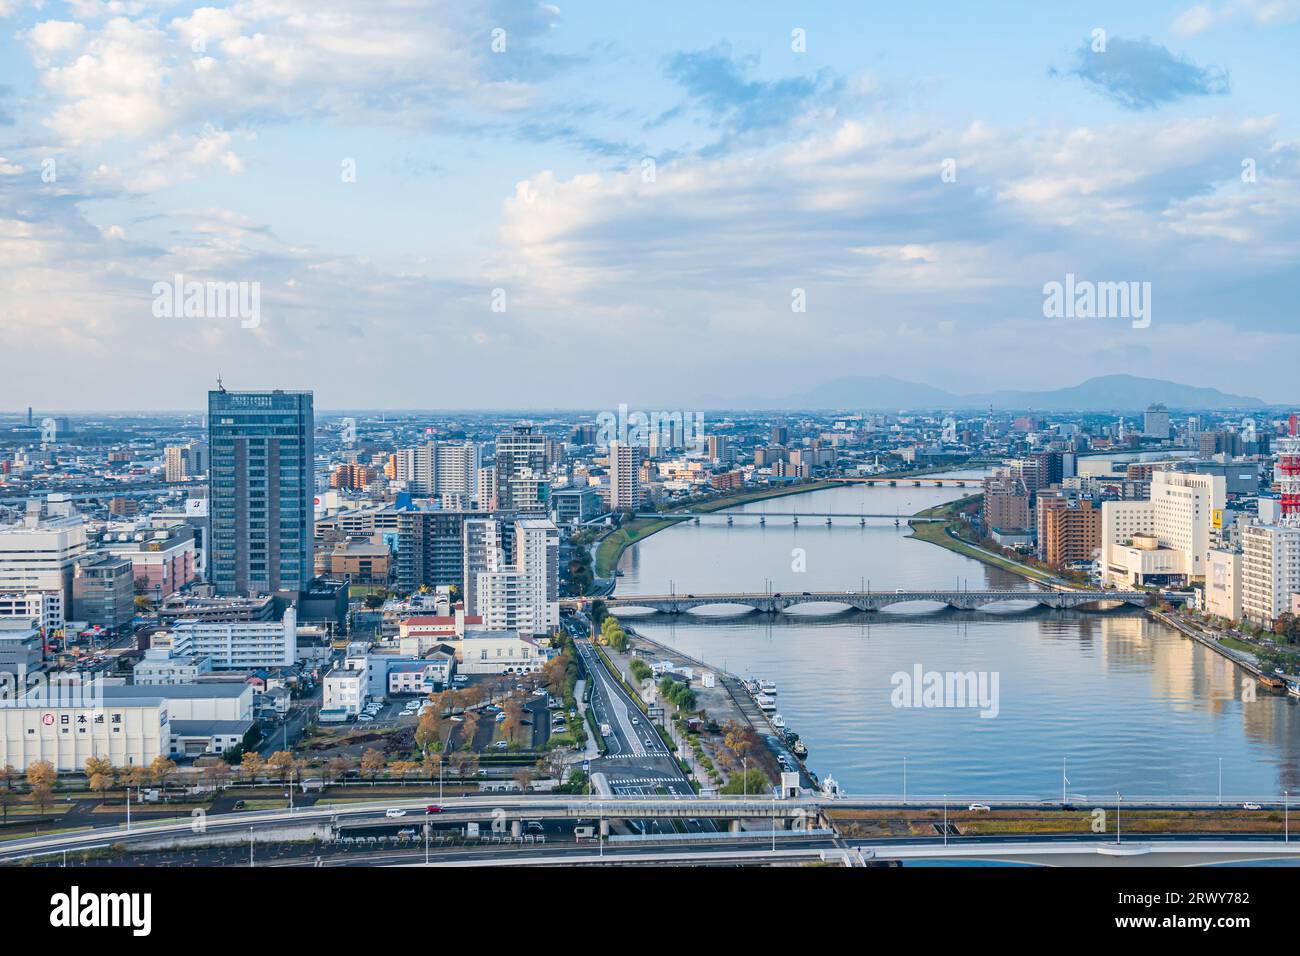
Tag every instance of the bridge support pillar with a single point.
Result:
(516, 829)
(734, 826)
(604, 827)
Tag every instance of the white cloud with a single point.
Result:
(1264, 13)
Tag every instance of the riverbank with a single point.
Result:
(612, 546)
(938, 533)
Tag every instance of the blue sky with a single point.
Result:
(648, 186)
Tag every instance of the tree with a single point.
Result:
(283, 763)
(40, 773)
(404, 769)
(162, 767)
(524, 776)
(752, 781)
(553, 764)
(431, 763)
(216, 773)
(100, 782)
(251, 765)
(338, 767)
(372, 764)
(136, 777)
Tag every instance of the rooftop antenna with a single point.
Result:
(220, 387)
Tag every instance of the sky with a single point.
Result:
(501, 204)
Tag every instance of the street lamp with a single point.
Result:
(1118, 798)
(945, 819)
(1286, 815)
(1220, 781)
(904, 781)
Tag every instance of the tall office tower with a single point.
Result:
(521, 460)
(514, 569)
(431, 549)
(261, 486)
(624, 480)
(780, 435)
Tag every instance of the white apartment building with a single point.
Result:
(344, 691)
(239, 645)
(1165, 539)
(1270, 570)
(40, 555)
(440, 468)
(522, 594)
(160, 667)
(624, 477)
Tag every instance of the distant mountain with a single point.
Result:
(1102, 394)
(876, 392)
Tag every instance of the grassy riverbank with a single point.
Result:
(940, 533)
(613, 545)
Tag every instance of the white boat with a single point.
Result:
(767, 687)
(1293, 688)
(778, 722)
(765, 703)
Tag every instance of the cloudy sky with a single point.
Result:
(487, 203)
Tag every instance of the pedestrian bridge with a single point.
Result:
(872, 600)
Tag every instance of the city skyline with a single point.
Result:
(412, 192)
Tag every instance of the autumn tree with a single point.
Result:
(404, 769)
(41, 777)
(162, 767)
(524, 776)
(284, 764)
(251, 764)
(372, 764)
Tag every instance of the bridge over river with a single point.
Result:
(867, 600)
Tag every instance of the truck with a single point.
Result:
(606, 730)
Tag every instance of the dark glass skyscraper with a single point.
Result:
(262, 486)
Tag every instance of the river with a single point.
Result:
(1129, 703)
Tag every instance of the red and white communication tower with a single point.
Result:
(1288, 473)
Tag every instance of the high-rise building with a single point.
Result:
(439, 468)
(40, 555)
(521, 463)
(1069, 529)
(1270, 570)
(262, 483)
(624, 479)
(1167, 538)
(516, 584)
(1155, 422)
(185, 461)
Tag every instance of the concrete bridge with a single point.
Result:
(729, 514)
(906, 482)
(869, 600)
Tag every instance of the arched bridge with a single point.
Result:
(870, 600)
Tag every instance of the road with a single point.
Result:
(638, 761)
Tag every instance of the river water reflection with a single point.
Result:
(1130, 703)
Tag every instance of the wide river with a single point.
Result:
(1126, 702)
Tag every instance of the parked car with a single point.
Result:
(240, 804)
(979, 806)
(1250, 806)
(501, 745)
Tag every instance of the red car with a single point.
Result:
(433, 808)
